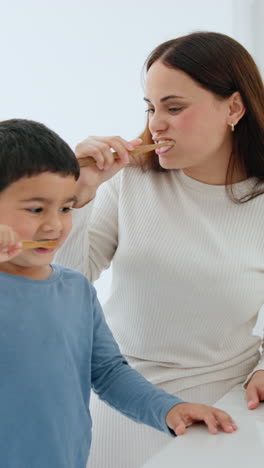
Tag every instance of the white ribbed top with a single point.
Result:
(188, 274)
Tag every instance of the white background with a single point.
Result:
(76, 65)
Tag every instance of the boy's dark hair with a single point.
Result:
(29, 148)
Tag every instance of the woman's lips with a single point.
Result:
(164, 149)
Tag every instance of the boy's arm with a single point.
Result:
(126, 390)
(121, 386)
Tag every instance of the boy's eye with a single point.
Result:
(35, 210)
(66, 209)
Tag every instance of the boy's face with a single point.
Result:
(38, 208)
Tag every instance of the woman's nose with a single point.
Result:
(157, 123)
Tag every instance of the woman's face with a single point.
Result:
(191, 116)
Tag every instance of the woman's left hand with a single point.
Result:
(255, 390)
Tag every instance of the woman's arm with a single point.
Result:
(92, 243)
(255, 381)
(255, 389)
(255, 384)
(93, 240)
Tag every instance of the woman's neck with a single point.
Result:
(215, 173)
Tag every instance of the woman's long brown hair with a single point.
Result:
(221, 65)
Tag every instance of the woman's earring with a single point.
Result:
(232, 127)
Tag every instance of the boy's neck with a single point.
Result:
(35, 273)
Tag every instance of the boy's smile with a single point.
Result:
(37, 208)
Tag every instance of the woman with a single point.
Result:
(184, 235)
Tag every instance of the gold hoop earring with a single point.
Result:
(232, 127)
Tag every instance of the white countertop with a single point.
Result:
(198, 448)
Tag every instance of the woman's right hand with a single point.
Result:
(105, 167)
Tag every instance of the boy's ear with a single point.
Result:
(236, 108)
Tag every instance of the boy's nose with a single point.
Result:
(52, 224)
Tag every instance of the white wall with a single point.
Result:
(248, 20)
(76, 65)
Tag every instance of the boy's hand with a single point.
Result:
(9, 243)
(185, 414)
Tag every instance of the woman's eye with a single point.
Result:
(175, 109)
(170, 109)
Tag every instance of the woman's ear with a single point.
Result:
(236, 108)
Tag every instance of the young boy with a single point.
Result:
(55, 345)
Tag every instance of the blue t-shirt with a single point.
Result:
(54, 347)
